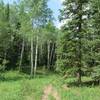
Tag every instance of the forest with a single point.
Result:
(39, 61)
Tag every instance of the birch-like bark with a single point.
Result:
(52, 54)
(31, 57)
(21, 56)
(48, 59)
(36, 56)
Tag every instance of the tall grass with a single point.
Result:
(15, 86)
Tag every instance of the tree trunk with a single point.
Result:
(36, 56)
(52, 54)
(48, 59)
(40, 55)
(79, 76)
(21, 56)
(31, 57)
(80, 45)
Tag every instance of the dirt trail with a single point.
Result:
(50, 90)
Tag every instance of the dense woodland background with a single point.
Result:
(29, 40)
(38, 61)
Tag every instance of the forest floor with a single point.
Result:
(15, 86)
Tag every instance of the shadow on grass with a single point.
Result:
(84, 84)
(11, 79)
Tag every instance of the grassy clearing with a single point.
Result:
(15, 86)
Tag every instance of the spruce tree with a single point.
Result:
(74, 13)
(95, 43)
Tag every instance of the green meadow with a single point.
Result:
(15, 86)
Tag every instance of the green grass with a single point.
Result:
(15, 86)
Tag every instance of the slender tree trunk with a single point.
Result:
(21, 56)
(80, 45)
(40, 54)
(79, 76)
(51, 54)
(48, 59)
(36, 56)
(54, 55)
(31, 57)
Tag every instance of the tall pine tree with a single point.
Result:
(75, 14)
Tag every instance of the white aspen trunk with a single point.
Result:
(40, 54)
(36, 56)
(48, 59)
(31, 57)
(21, 56)
(51, 54)
(54, 53)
